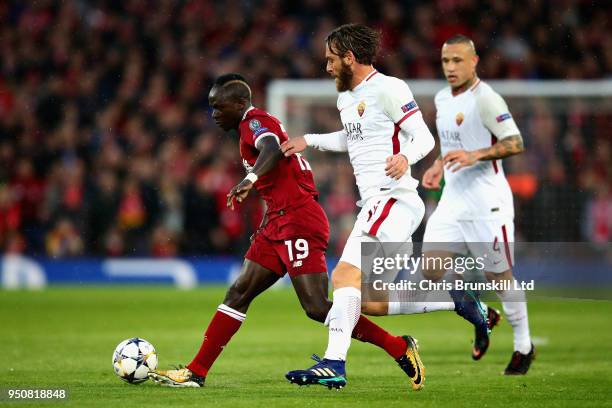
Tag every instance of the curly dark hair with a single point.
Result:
(360, 39)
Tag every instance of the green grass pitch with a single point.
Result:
(64, 337)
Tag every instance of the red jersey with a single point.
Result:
(288, 185)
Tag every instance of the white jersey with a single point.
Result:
(371, 114)
(473, 120)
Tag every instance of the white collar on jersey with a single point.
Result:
(366, 79)
(471, 88)
(247, 111)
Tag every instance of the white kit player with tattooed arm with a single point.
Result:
(476, 211)
(383, 133)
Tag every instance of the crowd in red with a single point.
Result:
(107, 147)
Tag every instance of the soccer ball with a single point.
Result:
(133, 358)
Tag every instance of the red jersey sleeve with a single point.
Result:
(256, 127)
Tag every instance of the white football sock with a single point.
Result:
(418, 301)
(341, 320)
(515, 309)
(403, 308)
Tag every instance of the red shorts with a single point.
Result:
(294, 242)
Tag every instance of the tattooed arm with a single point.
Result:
(508, 146)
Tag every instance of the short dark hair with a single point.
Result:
(235, 85)
(225, 78)
(461, 39)
(360, 39)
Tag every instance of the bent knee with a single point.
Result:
(375, 308)
(433, 274)
(317, 312)
(498, 277)
(345, 275)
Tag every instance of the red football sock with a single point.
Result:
(224, 324)
(369, 332)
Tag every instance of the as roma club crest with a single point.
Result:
(361, 108)
(459, 119)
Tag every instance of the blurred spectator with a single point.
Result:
(132, 210)
(555, 211)
(107, 147)
(163, 243)
(64, 240)
(103, 210)
(598, 225)
(114, 243)
(10, 214)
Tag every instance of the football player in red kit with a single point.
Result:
(292, 239)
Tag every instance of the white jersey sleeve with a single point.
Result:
(399, 105)
(495, 115)
(335, 141)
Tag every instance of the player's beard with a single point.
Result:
(344, 78)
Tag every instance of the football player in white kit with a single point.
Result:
(476, 211)
(384, 133)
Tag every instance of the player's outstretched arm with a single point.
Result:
(294, 145)
(269, 155)
(334, 142)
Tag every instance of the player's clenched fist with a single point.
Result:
(397, 165)
(294, 145)
(433, 176)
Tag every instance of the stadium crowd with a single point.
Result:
(107, 147)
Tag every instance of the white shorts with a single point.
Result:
(384, 218)
(492, 239)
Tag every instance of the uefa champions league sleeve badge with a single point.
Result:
(254, 124)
